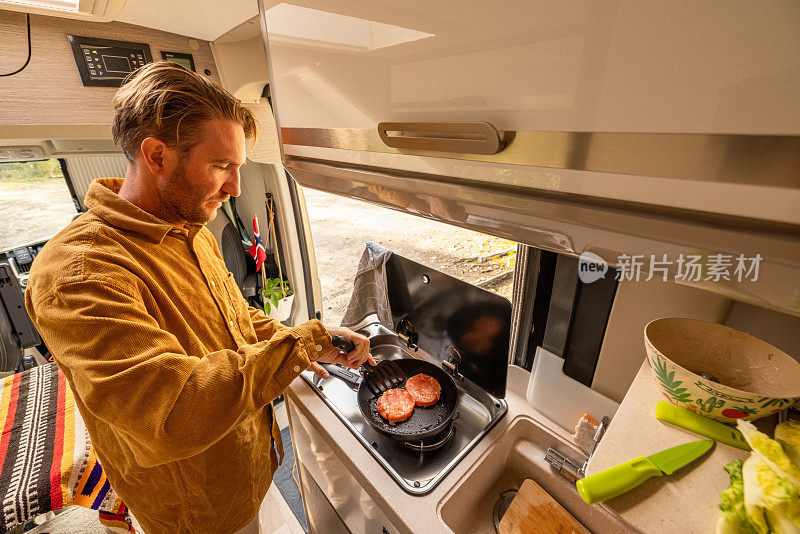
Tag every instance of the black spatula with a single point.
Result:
(385, 375)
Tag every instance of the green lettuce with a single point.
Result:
(770, 452)
(788, 435)
(772, 501)
(733, 517)
(764, 495)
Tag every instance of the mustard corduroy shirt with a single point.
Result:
(172, 371)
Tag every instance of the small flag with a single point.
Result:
(257, 250)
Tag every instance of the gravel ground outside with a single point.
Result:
(340, 228)
(33, 212)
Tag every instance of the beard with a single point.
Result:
(183, 200)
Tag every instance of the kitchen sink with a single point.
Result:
(516, 456)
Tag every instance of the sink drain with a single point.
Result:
(500, 508)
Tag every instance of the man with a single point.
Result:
(172, 371)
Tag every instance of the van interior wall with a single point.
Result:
(242, 63)
(638, 303)
(49, 90)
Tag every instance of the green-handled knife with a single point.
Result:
(617, 480)
(668, 412)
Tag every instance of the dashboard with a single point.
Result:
(15, 266)
(20, 260)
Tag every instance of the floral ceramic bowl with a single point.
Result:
(719, 372)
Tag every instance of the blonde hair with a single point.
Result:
(169, 102)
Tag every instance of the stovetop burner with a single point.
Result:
(431, 444)
(416, 467)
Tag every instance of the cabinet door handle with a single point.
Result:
(454, 137)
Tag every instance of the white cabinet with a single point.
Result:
(334, 500)
(690, 67)
(624, 127)
(605, 100)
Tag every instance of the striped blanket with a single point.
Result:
(47, 458)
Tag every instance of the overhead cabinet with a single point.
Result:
(669, 127)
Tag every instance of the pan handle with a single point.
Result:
(343, 344)
(352, 379)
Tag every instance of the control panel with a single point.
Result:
(181, 59)
(106, 63)
(23, 256)
(21, 259)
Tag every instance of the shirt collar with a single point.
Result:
(104, 200)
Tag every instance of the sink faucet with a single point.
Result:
(569, 468)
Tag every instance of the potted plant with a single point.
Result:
(277, 296)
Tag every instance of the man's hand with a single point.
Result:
(354, 359)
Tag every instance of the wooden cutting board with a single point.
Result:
(533, 510)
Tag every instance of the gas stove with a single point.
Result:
(416, 466)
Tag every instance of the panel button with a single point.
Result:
(139, 56)
(93, 73)
(85, 51)
(296, 368)
(319, 348)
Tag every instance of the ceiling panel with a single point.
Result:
(201, 19)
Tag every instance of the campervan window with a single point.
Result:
(35, 202)
(341, 227)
